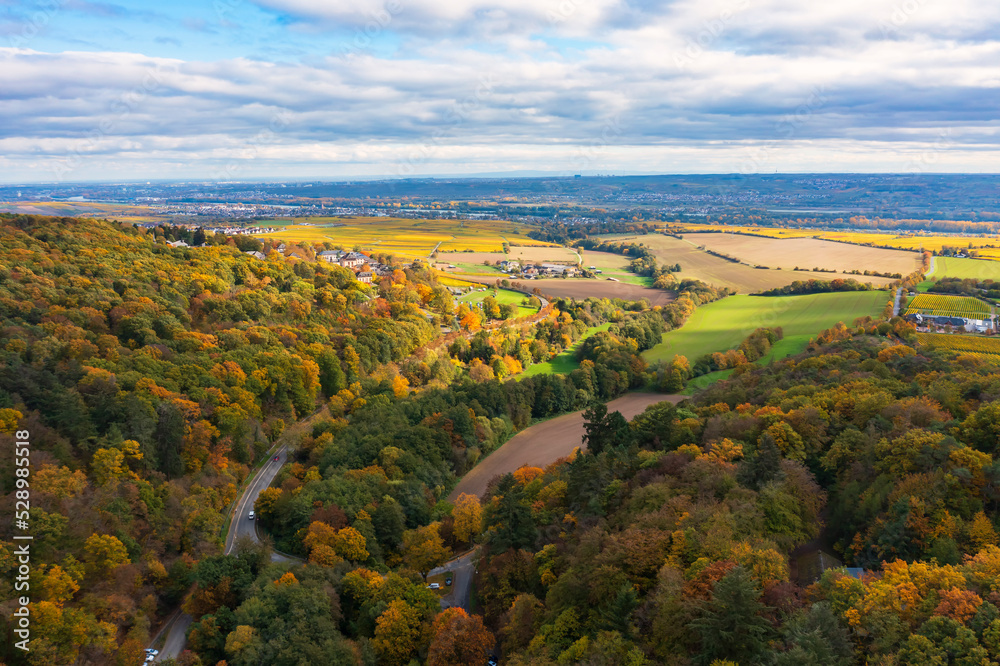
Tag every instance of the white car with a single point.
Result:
(434, 586)
(250, 516)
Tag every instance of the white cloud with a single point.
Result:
(643, 86)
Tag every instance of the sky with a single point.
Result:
(232, 90)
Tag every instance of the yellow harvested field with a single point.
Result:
(904, 241)
(552, 254)
(699, 265)
(789, 253)
(406, 237)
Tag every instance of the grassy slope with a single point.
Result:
(724, 324)
(966, 268)
(502, 296)
(564, 362)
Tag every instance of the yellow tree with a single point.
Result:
(423, 549)
(398, 633)
(105, 552)
(468, 514)
(350, 544)
(58, 586)
(982, 533)
(239, 638)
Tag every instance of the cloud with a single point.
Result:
(687, 80)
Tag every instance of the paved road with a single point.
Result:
(241, 525)
(176, 638)
(895, 306)
(463, 568)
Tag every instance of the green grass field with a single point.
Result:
(980, 269)
(725, 324)
(502, 296)
(565, 362)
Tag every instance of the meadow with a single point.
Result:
(613, 265)
(699, 265)
(405, 237)
(948, 306)
(953, 267)
(502, 296)
(726, 323)
(565, 362)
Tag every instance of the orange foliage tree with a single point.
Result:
(458, 639)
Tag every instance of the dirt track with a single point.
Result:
(548, 441)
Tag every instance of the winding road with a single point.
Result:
(242, 526)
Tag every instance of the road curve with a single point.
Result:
(463, 568)
(241, 524)
(176, 638)
(546, 442)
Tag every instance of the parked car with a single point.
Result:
(251, 516)
(447, 581)
(434, 586)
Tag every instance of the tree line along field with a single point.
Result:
(791, 253)
(948, 306)
(699, 265)
(964, 344)
(406, 237)
(724, 324)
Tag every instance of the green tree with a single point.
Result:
(730, 625)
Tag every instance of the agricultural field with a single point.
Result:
(979, 269)
(121, 212)
(405, 237)
(948, 306)
(699, 265)
(790, 253)
(964, 344)
(724, 324)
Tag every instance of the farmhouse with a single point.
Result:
(332, 256)
(559, 269)
(971, 325)
(354, 260)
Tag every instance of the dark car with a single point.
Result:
(447, 581)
